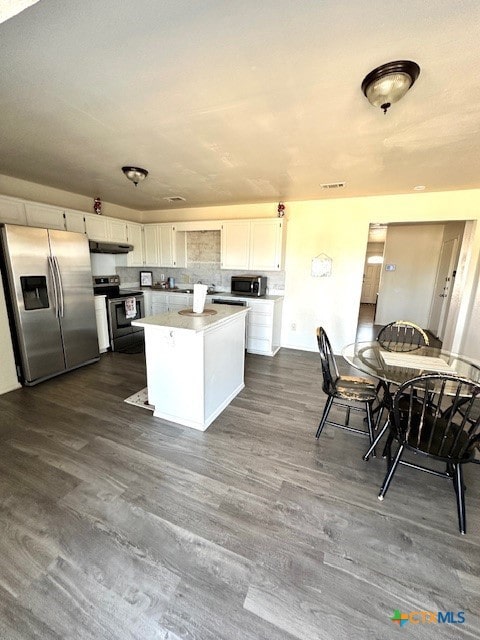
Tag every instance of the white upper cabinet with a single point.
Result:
(236, 244)
(266, 244)
(12, 211)
(117, 230)
(44, 216)
(164, 246)
(255, 245)
(135, 258)
(151, 245)
(165, 235)
(96, 227)
(75, 221)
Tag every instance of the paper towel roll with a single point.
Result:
(199, 295)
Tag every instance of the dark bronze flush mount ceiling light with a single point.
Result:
(135, 174)
(388, 83)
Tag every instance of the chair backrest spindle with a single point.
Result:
(402, 335)
(439, 418)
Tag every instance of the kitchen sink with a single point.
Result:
(209, 292)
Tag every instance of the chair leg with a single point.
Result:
(376, 441)
(387, 449)
(326, 411)
(390, 472)
(371, 435)
(460, 491)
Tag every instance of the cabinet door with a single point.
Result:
(117, 230)
(150, 238)
(96, 227)
(102, 323)
(178, 301)
(236, 244)
(159, 303)
(165, 245)
(266, 245)
(75, 221)
(147, 302)
(12, 212)
(260, 327)
(135, 237)
(44, 217)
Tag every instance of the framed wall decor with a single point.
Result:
(146, 278)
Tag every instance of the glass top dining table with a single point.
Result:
(397, 367)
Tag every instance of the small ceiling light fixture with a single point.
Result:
(135, 174)
(388, 83)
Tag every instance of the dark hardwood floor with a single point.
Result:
(117, 525)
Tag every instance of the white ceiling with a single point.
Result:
(238, 101)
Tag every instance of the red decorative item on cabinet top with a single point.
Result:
(97, 206)
(281, 209)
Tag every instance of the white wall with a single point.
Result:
(339, 228)
(406, 293)
(8, 376)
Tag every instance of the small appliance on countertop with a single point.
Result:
(123, 336)
(247, 285)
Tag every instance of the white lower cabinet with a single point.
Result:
(102, 323)
(159, 303)
(163, 302)
(147, 302)
(178, 301)
(264, 324)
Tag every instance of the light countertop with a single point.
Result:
(173, 320)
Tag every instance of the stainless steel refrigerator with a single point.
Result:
(48, 281)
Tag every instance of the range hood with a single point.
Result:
(109, 247)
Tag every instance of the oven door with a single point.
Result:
(118, 322)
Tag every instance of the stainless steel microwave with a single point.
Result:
(249, 285)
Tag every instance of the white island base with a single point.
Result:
(195, 365)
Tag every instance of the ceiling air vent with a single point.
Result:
(333, 185)
(175, 199)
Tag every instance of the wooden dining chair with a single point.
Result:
(350, 392)
(402, 335)
(436, 416)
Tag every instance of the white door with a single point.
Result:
(371, 281)
(443, 288)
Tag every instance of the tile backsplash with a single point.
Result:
(199, 272)
(203, 247)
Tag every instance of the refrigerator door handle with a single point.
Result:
(60, 286)
(55, 288)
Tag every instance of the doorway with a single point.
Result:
(443, 287)
(418, 282)
(372, 272)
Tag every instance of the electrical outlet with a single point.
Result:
(162, 277)
(293, 326)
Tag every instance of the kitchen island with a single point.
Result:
(195, 364)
